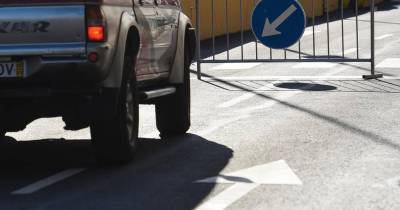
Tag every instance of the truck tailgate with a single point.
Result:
(42, 30)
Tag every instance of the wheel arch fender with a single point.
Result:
(128, 27)
(186, 33)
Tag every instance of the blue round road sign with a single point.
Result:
(278, 24)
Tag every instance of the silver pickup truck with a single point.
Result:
(92, 62)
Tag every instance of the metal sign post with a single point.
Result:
(373, 75)
(198, 39)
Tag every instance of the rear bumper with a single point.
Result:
(61, 71)
(43, 49)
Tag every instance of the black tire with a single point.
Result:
(173, 112)
(115, 139)
(2, 134)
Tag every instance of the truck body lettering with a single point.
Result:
(24, 27)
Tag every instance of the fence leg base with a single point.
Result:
(375, 76)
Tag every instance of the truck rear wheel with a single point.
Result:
(173, 112)
(2, 134)
(115, 140)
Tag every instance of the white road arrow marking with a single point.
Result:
(270, 28)
(275, 173)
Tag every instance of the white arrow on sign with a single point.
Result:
(270, 28)
(275, 173)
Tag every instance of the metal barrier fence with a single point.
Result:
(313, 57)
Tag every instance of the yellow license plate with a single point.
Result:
(12, 69)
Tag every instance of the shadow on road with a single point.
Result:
(342, 86)
(161, 177)
(45, 154)
(368, 135)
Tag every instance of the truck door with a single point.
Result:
(147, 19)
(167, 21)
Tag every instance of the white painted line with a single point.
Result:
(48, 181)
(237, 100)
(315, 65)
(244, 113)
(390, 63)
(275, 173)
(309, 32)
(236, 66)
(244, 97)
(250, 95)
(216, 125)
(383, 36)
(351, 50)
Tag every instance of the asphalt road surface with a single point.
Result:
(264, 136)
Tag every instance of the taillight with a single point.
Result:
(96, 33)
(96, 25)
